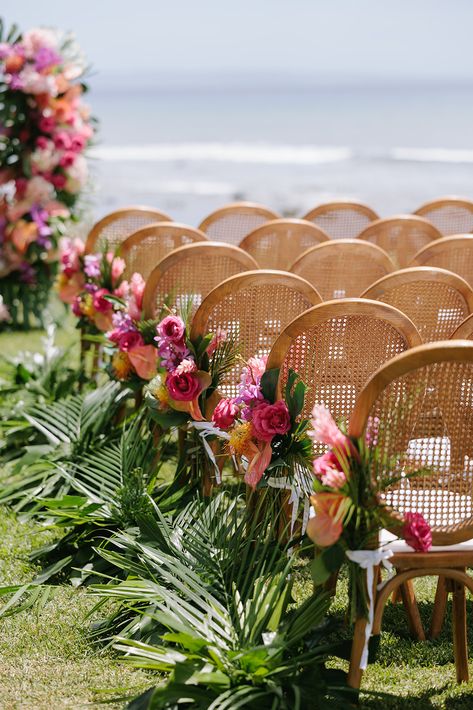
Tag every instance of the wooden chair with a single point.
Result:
(233, 222)
(336, 346)
(115, 227)
(253, 308)
(454, 253)
(421, 404)
(277, 243)
(342, 268)
(192, 271)
(451, 215)
(401, 237)
(436, 300)
(342, 219)
(143, 249)
(464, 330)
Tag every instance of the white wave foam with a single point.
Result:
(432, 155)
(191, 187)
(268, 154)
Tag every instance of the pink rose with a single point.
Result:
(171, 328)
(327, 468)
(416, 532)
(184, 387)
(225, 413)
(129, 340)
(270, 419)
(100, 303)
(62, 140)
(78, 143)
(67, 159)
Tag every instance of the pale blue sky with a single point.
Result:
(316, 40)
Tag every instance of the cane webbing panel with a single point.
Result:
(254, 317)
(401, 237)
(436, 308)
(423, 422)
(337, 357)
(115, 227)
(452, 253)
(146, 247)
(449, 216)
(278, 243)
(342, 269)
(230, 224)
(464, 330)
(342, 220)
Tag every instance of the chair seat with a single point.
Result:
(390, 542)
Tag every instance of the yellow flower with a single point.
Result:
(87, 306)
(240, 438)
(159, 391)
(121, 365)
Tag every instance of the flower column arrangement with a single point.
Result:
(44, 130)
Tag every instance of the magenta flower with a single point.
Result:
(225, 413)
(171, 328)
(325, 430)
(92, 265)
(416, 532)
(270, 420)
(328, 469)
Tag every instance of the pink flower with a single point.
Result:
(67, 159)
(416, 532)
(62, 140)
(47, 124)
(171, 328)
(92, 265)
(224, 413)
(131, 339)
(100, 303)
(118, 267)
(135, 304)
(270, 419)
(143, 359)
(258, 464)
(78, 143)
(186, 365)
(220, 336)
(328, 469)
(325, 430)
(70, 251)
(184, 387)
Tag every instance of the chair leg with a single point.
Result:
(440, 606)
(354, 672)
(460, 643)
(412, 610)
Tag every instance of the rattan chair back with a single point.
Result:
(454, 253)
(336, 347)
(233, 222)
(192, 271)
(401, 237)
(277, 243)
(436, 300)
(253, 309)
(419, 409)
(343, 268)
(342, 219)
(145, 248)
(115, 227)
(464, 330)
(451, 215)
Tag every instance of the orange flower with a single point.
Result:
(23, 234)
(121, 365)
(326, 527)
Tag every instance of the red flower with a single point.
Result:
(100, 303)
(184, 387)
(171, 328)
(225, 413)
(270, 419)
(416, 532)
(129, 340)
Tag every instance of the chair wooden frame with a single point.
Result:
(420, 273)
(431, 250)
(404, 222)
(141, 235)
(448, 565)
(236, 208)
(95, 232)
(448, 201)
(464, 330)
(187, 251)
(341, 205)
(373, 252)
(287, 233)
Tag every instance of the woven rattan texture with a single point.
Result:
(400, 238)
(278, 243)
(232, 227)
(254, 317)
(423, 422)
(337, 357)
(436, 308)
(194, 276)
(465, 329)
(454, 254)
(450, 219)
(144, 249)
(340, 223)
(341, 270)
(118, 226)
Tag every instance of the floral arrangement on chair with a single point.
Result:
(263, 429)
(44, 130)
(348, 514)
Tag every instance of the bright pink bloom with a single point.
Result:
(129, 340)
(101, 304)
(118, 267)
(67, 159)
(219, 337)
(47, 124)
(224, 413)
(184, 387)
(135, 304)
(327, 468)
(186, 365)
(325, 430)
(270, 419)
(416, 532)
(62, 140)
(171, 328)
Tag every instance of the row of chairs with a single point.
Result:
(336, 220)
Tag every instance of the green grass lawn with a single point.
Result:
(48, 661)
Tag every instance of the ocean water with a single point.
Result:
(191, 150)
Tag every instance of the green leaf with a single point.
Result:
(319, 571)
(269, 384)
(334, 557)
